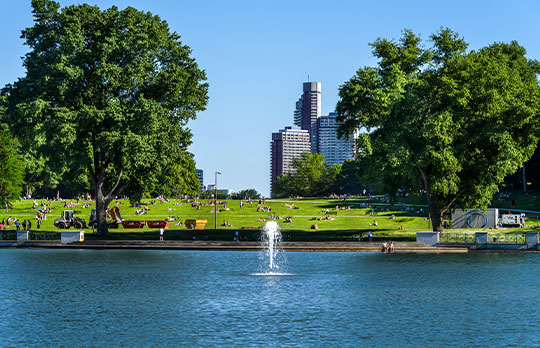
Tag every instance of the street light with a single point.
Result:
(215, 202)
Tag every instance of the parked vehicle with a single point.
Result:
(67, 220)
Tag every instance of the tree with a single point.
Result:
(443, 120)
(111, 93)
(309, 169)
(179, 178)
(11, 169)
(327, 184)
(247, 194)
(310, 177)
(348, 180)
(286, 185)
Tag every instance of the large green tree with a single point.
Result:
(448, 121)
(111, 93)
(178, 179)
(11, 168)
(348, 180)
(310, 177)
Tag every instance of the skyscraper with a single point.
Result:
(308, 110)
(286, 144)
(200, 176)
(335, 150)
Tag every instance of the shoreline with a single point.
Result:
(230, 246)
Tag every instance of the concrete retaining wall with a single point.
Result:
(481, 238)
(71, 236)
(531, 239)
(22, 236)
(427, 238)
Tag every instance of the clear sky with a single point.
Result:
(257, 54)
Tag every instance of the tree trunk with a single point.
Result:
(524, 178)
(435, 214)
(102, 229)
(98, 175)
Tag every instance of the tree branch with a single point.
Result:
(446, 207)
(119, 191)
(115, 185)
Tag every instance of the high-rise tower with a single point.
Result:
(308, 110)
(200, 176)
(335, 150)
(286, 144)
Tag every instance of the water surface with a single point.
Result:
(97, 298)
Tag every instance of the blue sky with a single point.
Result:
(257, 54)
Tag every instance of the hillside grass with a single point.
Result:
(248, 222)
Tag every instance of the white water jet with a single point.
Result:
(271, 243)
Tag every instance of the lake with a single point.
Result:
(100, 298)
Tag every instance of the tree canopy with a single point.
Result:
(108, 94)
(312, 177)
(11, 168)
(444, 120)
(246, 194)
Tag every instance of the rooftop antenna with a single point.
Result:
(307, 77)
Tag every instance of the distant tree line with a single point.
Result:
(242, 194)
(312, 177)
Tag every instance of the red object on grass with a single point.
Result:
(157, 223)
(133, 224)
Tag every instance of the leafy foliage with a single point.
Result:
(312, 177)
(246, 194)
(11, 169)
(107, 93)
(348, 179)
(444, 120)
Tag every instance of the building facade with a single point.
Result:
(335, 150)
(212, 188)
(200, 176)
(286, 145)
(308, 111)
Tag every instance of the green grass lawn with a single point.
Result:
(344, 223)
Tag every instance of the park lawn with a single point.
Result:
(346, 223)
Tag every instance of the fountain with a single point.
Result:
(272, 255)
(271, 243)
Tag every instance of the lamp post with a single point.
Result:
(215, 202)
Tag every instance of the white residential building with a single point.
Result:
(286, 145)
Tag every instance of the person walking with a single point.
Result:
(161, 231)
(24, 225)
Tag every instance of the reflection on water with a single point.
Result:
(271, 274)
(206, 299)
